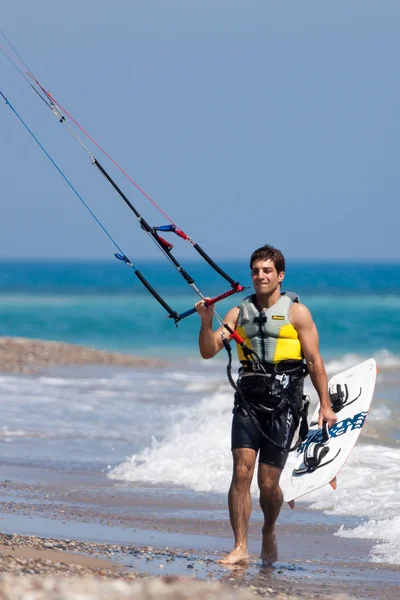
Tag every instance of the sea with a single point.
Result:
(169, 425)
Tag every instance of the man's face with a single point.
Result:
(265, 276)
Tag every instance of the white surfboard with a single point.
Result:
(319, 458)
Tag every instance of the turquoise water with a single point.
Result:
(102, 304)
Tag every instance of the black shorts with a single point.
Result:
(280, 428)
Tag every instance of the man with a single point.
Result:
(269, 399)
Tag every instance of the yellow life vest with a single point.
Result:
(269, 332)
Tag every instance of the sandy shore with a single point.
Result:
(88, 525)
(92, 588)
(72, 535)
(23, 355)
(41, 565)
(67, 569)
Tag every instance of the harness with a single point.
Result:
(281, 384)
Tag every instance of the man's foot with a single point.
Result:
(238, 555)
(269, 549)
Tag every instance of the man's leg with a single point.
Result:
(271, 499)
(240, 503)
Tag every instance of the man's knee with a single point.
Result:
(268, 480)
(268, 487)
(243, 466)
(243, 474)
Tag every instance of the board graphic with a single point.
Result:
(322, 454)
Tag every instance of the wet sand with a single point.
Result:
(142, 532)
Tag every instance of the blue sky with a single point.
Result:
(247, 122)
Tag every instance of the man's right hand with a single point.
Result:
(204, 311)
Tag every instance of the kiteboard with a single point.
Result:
(323, 453)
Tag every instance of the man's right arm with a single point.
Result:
(210, 342)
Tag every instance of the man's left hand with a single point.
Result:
(326, 414)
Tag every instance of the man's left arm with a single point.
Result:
(302, 321)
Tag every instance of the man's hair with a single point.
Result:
(269, 252)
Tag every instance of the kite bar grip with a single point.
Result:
(210, 302)
(185, 314)
(223, 296)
